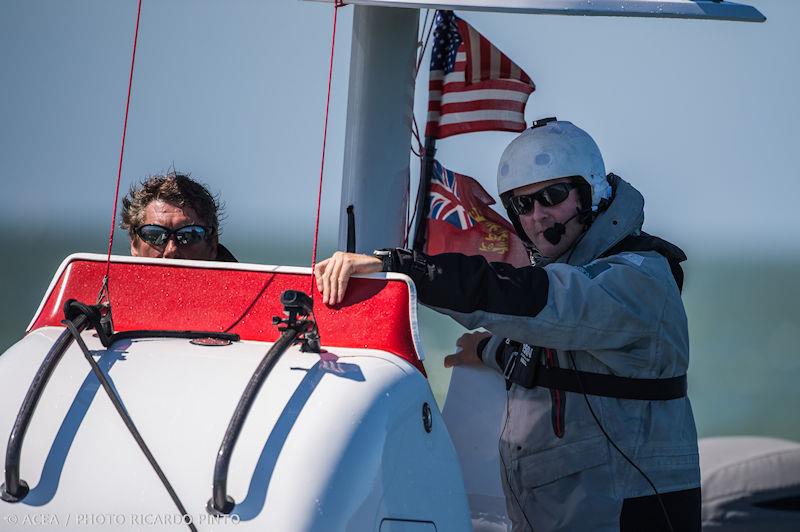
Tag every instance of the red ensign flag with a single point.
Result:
(462, 221)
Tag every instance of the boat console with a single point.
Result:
(347, 438)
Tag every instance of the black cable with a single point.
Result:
(140, 334)
(508, 393)
(625, 456)
(129, 423)
(505, 469)
(591, 411)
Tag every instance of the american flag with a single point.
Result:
(473, 85)
(446, 205)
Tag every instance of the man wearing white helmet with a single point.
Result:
(591, 338)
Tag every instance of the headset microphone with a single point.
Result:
(554, 233)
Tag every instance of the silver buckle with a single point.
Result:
(511, 363)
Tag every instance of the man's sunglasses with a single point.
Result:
(547, 197)
(158, 235)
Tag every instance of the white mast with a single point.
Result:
(377, 139)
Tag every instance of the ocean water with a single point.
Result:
(744, 324)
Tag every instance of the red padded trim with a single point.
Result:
(374, 315)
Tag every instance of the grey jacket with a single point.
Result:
(621, 315)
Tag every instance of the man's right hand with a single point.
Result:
(334, 274)
(467, 352)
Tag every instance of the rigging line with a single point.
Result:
(422, 30)
(420, 152)
(121, 156)
(424, 46)
(337, 4)
(413, 215)
(420, 155)
(426, 41)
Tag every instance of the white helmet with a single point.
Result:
(549, 150)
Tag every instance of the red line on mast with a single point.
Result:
(337, 4)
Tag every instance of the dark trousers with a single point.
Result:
(644, 514)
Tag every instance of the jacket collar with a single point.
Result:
(623, 217)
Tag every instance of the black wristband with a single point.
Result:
(400, 260)
(504, 350)
(482, 347)
(386, 258)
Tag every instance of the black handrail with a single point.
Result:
(303, 330)
(221, 503)
(15, 489)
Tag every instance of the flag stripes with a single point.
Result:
(473, 85)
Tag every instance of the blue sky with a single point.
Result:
(702, 116)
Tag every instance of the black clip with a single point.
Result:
(296, 305)
(508, 371)
(543, 122)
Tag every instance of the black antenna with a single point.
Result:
(351, 230)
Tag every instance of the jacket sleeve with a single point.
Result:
(490, 350)
(606, 304)
(467, 284)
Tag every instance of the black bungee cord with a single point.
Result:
(126, 418)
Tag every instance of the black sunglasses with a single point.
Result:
(547, 197)
(158, 235)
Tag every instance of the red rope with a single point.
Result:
(121, 153)
(337, 4)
